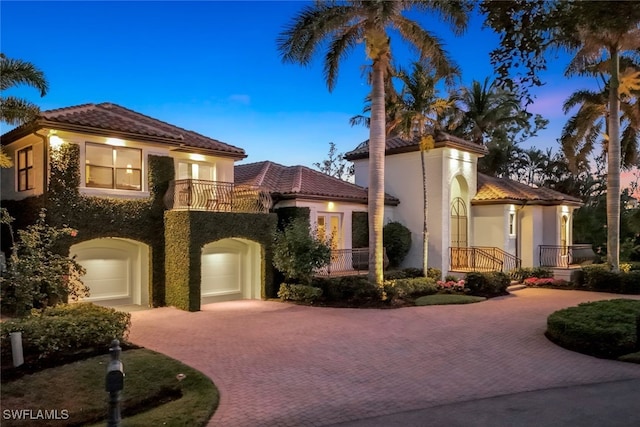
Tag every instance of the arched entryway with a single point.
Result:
(230, 269)
(117, 270)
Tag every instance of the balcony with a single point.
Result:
(566, 256)
(216, 196)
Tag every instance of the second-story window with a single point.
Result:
(26, 179)
(113, 167)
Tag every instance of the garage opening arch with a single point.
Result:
(117, 270)
(231, 269)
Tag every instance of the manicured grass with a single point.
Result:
(443, 299)
(604, 329)
(633, 357)
(150, 380)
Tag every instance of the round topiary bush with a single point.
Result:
(397, 241)
(605, 329)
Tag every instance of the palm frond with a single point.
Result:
(15, 72)
(16, 111)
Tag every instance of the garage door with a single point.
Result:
(230, 270)
(116, 270)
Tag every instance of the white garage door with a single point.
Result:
(117, 271)
(230, 270)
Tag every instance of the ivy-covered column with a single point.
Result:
(182, 266)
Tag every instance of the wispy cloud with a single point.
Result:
(240, 98)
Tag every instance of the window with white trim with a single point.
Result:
(512, 224)
(113, 167)
(24, 166)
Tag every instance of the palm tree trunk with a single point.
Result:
(425, 210)
(613, 163)
(376, 173)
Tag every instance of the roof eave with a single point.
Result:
(29, 128)
(527, 202)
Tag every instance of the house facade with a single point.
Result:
(336, 209)
(475, 222)
(159, 216)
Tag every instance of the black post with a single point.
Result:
(114, 384)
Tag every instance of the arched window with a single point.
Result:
(458, 223)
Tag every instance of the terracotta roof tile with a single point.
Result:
(492, 189)
(398, 144)
(112, 117)
(292, 181)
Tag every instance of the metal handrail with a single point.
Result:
(473, 259)
(509, 261)
(348, 261)
(216, 196)
(565, 256)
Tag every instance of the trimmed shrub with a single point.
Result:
(488, 285)
(66, 329)
(346, 288)
(410, 272)
(397, 241)
(600, 278)
(434, 273)
(302, 293)
(412, 287)
(527, 272)
(603, 328)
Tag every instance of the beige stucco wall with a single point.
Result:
(317, 207)
(9, 176)
(223, 166)
(445, 167)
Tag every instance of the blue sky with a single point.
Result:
(213, 67)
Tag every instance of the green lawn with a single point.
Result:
(443, 299)
(150, 385)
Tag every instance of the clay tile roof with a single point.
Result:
(301, 181)
(503, 190)
(108, 117)
(396, 144)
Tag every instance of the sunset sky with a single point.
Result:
(213, 67)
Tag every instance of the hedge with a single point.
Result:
(603, 329)
(66, 329)
(187, 232)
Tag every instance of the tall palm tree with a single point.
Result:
(13, 110)
(343, 25)
(420, 116)
(602, 37)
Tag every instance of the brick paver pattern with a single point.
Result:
(279, 364)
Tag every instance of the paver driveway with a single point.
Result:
(285, 365)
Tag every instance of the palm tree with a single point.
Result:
(14, 72)
(420, 115)
(602, 37)
(588, 127)
(13, 110)
(488, 108)
(343, 25)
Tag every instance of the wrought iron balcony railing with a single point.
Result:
(216, 196)
(565, 256)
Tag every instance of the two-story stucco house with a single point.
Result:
(160, 219)
(475, 222)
